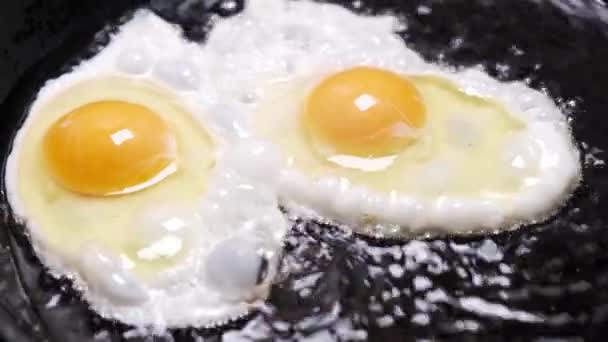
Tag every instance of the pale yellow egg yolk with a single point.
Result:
(365, 111)
(109, 147)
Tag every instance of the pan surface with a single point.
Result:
(547, 282)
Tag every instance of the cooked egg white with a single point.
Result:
(245, 124)
(378, 138)
(124, 177)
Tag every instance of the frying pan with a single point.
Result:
(546, 282)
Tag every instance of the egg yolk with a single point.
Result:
(365, 112)
(109, 147)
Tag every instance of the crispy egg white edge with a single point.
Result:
(175, 300)
(266, 27)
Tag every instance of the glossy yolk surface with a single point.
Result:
(109, 147)
(365, 111)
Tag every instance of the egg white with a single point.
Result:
(281, 43)
(224, 83)
(225, 217)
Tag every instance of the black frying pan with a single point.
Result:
(547, 282)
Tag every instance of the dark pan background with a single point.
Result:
(545, 283)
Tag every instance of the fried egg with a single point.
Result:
(152, 173)
(125, 178)
(379, 139)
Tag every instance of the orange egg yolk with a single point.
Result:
(108, 148)
(365, 112)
